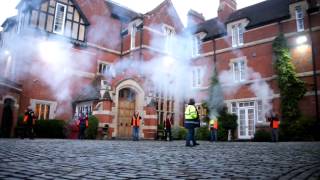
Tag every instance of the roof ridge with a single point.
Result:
(122, 6)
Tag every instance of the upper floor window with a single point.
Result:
(239, 71)
(59, 18)
(197, 77)
(103, 67)
(133, 36)
(299, 19)
(169, 34)
(237, 35)
(196, 42)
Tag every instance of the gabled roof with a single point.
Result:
(9, 22)
(262, 13)
(121, 12)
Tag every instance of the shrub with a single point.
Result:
(262, 135)
(301, 129)
(179, 133)
(202, 133)
(52, 128)
(226, 121)
(92, 130)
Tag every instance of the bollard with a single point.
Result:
(229, 135)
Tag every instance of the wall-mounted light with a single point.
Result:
(301, 40)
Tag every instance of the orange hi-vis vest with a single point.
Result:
(136, 121)
(215, 125)
(275, 123)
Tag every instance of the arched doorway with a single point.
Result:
(126, 109)
(7, 118)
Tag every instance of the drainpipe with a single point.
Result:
(314, 68)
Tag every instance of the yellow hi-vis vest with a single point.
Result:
(191, 113)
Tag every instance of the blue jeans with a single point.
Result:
(190, 137)
(275, 135)
(214, 134)
(135, 134)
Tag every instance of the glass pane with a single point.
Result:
(70, 9)
(250, 122)
(76, 16)
(69, 16)
(34, 18)
(42, 111)
(37, 110)
(47, 111)
(68, 29)
(52, 3)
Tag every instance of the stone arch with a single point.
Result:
(139, 98)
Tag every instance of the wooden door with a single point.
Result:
(125, 112)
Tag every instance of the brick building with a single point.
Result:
(63, 57)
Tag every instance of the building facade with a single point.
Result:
(65, 57)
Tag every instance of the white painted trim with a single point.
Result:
(9, 86)
(16, 105)
(150, 116)
(53, 106)
(103, 112)
(103, 48)
(63, 19)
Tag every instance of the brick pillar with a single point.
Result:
(149, 128)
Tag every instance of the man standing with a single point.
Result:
(274, 124)
(29, 122)
(135, 123)
(213, 127)
(167, 126)
(191, 122)
(82, 124)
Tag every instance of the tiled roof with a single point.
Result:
(121, 12)
(262, 13)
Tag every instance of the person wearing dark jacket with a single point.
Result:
(29, 122)
(82, 123)
(167, 125)
(191, 122)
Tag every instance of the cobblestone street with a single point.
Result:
(74, 159)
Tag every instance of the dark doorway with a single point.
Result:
(7, 118)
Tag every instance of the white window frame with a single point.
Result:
(197, 77)
(169, 33)
(52, 104)
(105, 65)
(63, 19)
(133, 31)
(239, 72)
(299, 18)
(237, 32)
(196, 42)
(84, 107)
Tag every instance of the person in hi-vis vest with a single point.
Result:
(191, 122)
(135, 123)
(213, 127)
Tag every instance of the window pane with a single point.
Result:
(52, 3)
(49, 23)
(47, 111)
(70, 9)
(42, 111)
(242, 71)
(69, 16)
(68, 28)
(75, 30)
(51, 10)
(240, 37)
(37, 111)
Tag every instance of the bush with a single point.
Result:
(301, 129)
(50, 128)
(262, 135)
(179, 133)
(92, 130)
(226, 121)
(202, 133)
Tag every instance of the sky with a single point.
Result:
(207, 7)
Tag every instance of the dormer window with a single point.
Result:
(169, 33)
(237, 35)
(299, 18)
(59, 18)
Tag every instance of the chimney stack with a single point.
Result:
(226, 8)
(194, 18)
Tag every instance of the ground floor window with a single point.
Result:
(164, 104)
(43, 109)
(84, 108)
